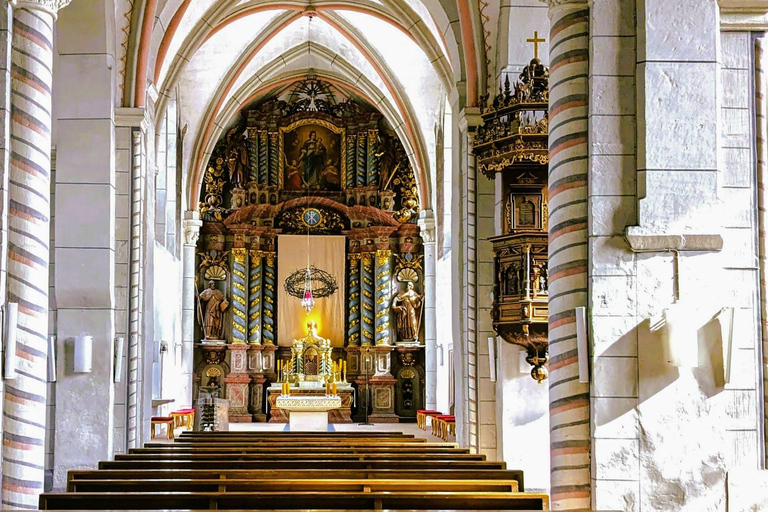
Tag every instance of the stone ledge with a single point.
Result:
(640, 241)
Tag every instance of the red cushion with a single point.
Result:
(162, 418)
(424, 411)
(446, 417)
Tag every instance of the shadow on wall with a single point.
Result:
(660, 354)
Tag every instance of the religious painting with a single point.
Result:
(311, 156)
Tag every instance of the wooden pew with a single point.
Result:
(291, 485)
(233, 456)
(244, 449)
(75, 476)
(425, 465)
(296, 500)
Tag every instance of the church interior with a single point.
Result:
(530, 232)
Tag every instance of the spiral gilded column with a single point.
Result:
(362, 158)
(353, 329)
(274, 159)
(254, 298)
(263, 157)
(253, 155)
(239, 295)
(373, 173)
(351, 157)
(570, 446)
(29, 210)
(269, 294)
(367, 300)
(383, 296)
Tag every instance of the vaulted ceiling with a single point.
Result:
(405, 57)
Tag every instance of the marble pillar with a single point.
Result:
(368, 298)
(568, 149)
(239, 296)
(191, 224)
(353, 332)
(29, 231)
(427, 232)
(254, 297)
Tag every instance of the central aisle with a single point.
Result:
(405, 428)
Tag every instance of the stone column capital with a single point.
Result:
(192, 225)
(555, 5)
(50, 6)
(427, 226)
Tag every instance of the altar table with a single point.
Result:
(308, 413)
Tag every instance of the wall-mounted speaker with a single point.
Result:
(83, 354)
(582, 344)
(11, 330)
(51, 358)
(119, 344)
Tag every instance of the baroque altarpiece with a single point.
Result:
(313, 160)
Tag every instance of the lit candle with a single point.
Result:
(333, 388)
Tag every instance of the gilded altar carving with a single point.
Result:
(213, 265)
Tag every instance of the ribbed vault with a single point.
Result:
(403, 56)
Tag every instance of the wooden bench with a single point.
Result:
(223, 456)
(372, 500)
(75, 476)
(290, 485)
(246, 449)
(422, 415)
(426, 465)
(304, 471)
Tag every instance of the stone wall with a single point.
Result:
(671, 100)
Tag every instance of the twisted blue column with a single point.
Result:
(239, 295)
(274, 158)
(254, 298)
(373, 172)
(383, 296)
(268, 311)
(351, 158)
(362, 158)
(263, 163)
(353, 330)
(367, 299)
(253, 155)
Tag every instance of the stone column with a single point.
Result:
(191, 224)
(427, 233)
(28, 252)
(568, 150)
(238, 382)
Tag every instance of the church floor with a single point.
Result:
(405, 428)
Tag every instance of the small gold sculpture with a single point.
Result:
(407, 308)
(215, 305)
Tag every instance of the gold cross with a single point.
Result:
(535, 42)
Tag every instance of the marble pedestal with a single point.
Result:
(308, 413)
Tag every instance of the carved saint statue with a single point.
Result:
(237, 158)
(213, 311)
(407, 308)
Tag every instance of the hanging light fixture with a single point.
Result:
(307, 300)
